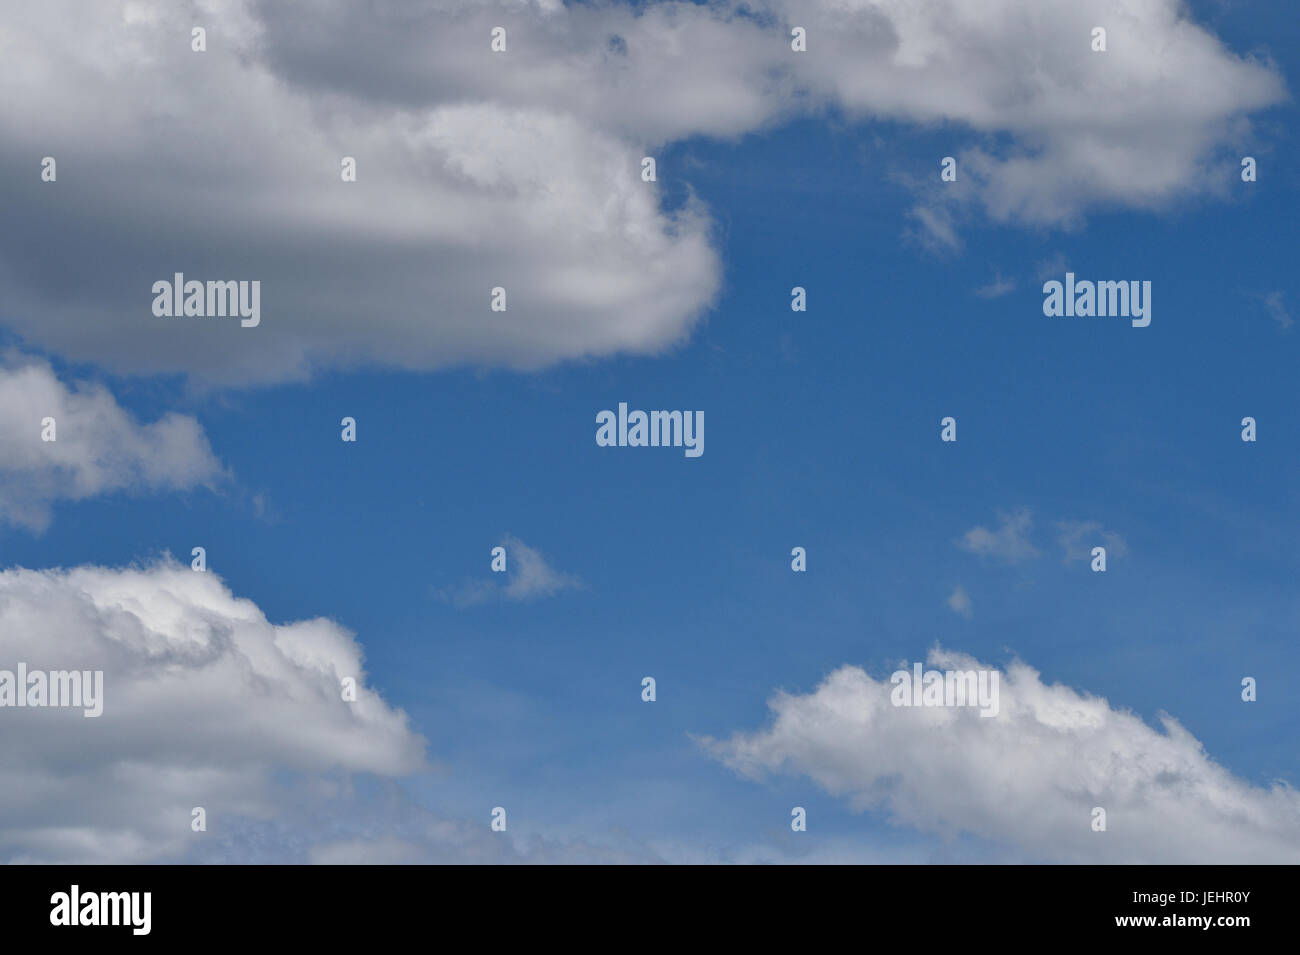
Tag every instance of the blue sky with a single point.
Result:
(822, 431)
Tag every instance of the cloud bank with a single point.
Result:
(521, 169)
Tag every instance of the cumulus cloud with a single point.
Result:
(1139, 125)
(218, 167)
(522, 169)
(1078, 538)
(206, 703)
(1009, 542)
(98, 448)
(1027, 779)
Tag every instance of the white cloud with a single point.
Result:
(1277, 310)
(997, 288)
(1010, 542)
(1078, 538)
(98, 448)
(959, 602)
(934, 228)
(1026, 780)
(1139, 125)
(1053, 267)
(206, 703)
(460, 843)
(528, 576)
(473, 184)
(522, 169)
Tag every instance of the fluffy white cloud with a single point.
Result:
(1142, 124)
(98, 447)
(206, 703)
(521, 169)
(1026, 779)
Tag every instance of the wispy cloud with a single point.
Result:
(959, 602)
(1051, 267)
(1277, 310)
(997, 288)
(528, 576)
(1009, 542)
(1078, 538)
(933, 228)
